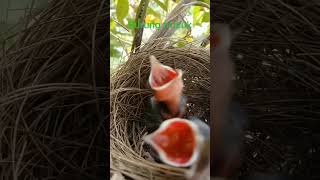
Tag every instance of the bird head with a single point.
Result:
(165, 81)
(177, 142)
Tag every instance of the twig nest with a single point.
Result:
(130, 94)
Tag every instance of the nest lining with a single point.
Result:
(130, 94)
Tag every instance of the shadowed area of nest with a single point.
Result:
(130, 94)
(52, 94)
(277, 65)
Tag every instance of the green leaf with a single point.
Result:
(181, 44)
(122, 9)
(154, 13)
(206, 17)
(197, 15)
(196, 11)
(130, 22)
(205, 1)
(166, 3)
(189, 39)
(112, 25)
(162, 5)
(114, 52)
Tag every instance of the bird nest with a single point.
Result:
(52, 93)
(276, 58)
(130, 95)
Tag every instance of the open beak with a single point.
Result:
(167, 85)
(176, 141)
(164, 80)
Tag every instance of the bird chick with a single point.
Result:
(167, 85)
(177, 141)
(200, 170)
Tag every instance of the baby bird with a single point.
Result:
(167, 85)
(168, 100)
(200, 170)
(182, 143)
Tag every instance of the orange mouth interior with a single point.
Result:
(177, 141)
(161, 76)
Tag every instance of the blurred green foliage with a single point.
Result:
(124, 11)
